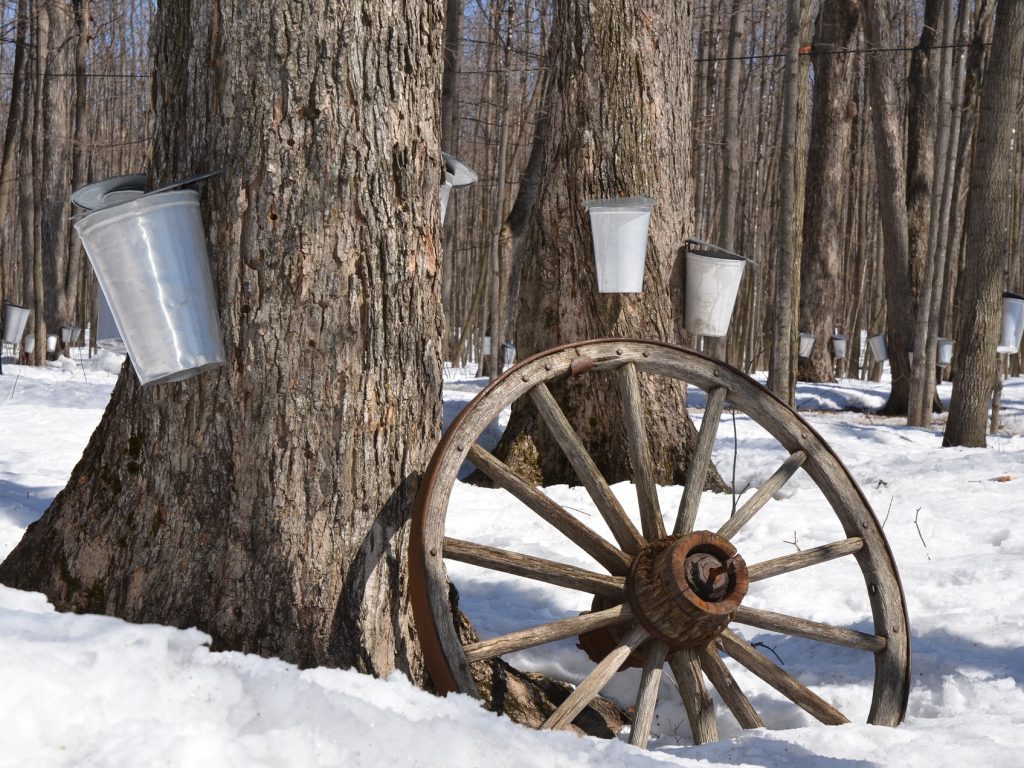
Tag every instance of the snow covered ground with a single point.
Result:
(96, 691)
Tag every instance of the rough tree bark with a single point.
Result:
(781, 379)
(618, 111)
(986, 231)
(9, 273)
(54, 162)
(266, 502)
(838, 28)
(726, 234)
(884, 73)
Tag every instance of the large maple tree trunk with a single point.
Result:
(619, 126)
(266, 502)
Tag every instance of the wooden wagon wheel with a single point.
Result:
(667, 596)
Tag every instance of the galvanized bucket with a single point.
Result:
(619, 228)
(806, 344)
(838, 346)
(456, 174)
(29, 345)
(943, 352)
(878, 347)
(51, 343)
(149, 256)
(713, 278)
(107, 335)
(1013, 323)
(69, 334)
(15, 319)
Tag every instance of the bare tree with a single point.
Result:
(837, 29)
(987, 226)
(781, 375)
(884, 75)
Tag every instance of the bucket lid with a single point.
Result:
(12, 304)
(717, 252)
(112, 191)
(462, 175)
(1012, 295)
(620, 204)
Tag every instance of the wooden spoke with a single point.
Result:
(595, 681)
(780, 680)
(612, 558)
(812, 630)
(651, 522)
(533, 568)
(700, 461)
(725, 684)
(763, 494)
(622, 527)
(647, 695)
(700, 709)
(547, 633)
(805, 558)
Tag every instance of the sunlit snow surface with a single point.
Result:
(95, 691)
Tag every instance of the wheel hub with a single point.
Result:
(686, 589)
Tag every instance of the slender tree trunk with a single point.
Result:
(497, 313)
(726, 236)
(266, 502)
(986, 227)
(821, 275)
(924, 137)
(780, 376)
(884, 72)
(9, 161)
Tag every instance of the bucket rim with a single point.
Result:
(724, 257)
(462, 174)
(1012, 295)
(638, 204)
(92, 196)
(16, 306)
(720, 252)
(148, 202)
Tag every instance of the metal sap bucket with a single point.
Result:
(107, 335)
(838, 346)
(806, 344)
(51, 343)
(1013, 323)
(30, 344)
(508, 353)
(878, 347)
(712, 282)
(943, 352)
(619, 227)
(15, 320)
(149, 256)
(456, 174)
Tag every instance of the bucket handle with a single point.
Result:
(693, 241)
